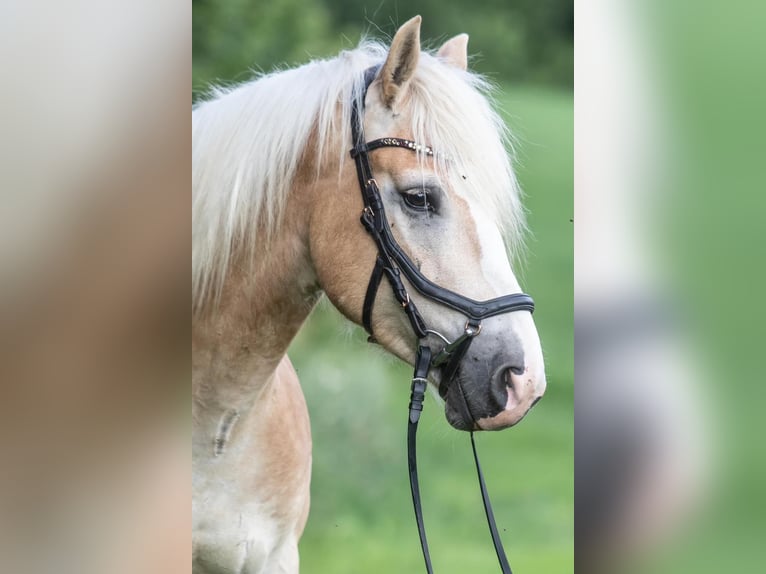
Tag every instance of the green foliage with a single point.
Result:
(525, 40)
(232, 37)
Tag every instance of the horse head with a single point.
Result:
(452, 207)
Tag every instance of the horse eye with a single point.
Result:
(418, 200)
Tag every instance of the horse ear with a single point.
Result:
(401, 62)
(455, 51)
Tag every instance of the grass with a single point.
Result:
(361, 518)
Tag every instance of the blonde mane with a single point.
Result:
(248, 141)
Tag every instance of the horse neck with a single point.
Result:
(237, 347)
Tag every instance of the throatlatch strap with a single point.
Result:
(369, 298)
(419, 383)
(499, 550)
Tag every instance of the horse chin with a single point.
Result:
(457, 419)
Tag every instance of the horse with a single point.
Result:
(275, 215)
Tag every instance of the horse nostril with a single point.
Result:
(508, 374)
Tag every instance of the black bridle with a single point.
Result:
(393, 262)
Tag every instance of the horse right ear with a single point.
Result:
(401, 62)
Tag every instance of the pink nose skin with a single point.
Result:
(523, 391)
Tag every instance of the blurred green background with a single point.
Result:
(712, 246)
(526, 41)
(361, 517)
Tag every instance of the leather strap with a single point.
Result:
(369, 297)
(499, 550)
(448, 372)
(373, 219)
(417, 396)
(419, 384)
(364, 147)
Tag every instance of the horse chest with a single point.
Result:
(230, 529)
(250, 488)
(238, 527)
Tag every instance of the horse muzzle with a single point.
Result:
(492, 394)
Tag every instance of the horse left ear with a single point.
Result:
(401, 62)
(455, 51)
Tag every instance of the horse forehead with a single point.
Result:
(380, 121)
(401, 163)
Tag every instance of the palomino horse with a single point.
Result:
(276, 223)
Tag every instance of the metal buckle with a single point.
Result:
(469, 329)
(406, 302)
